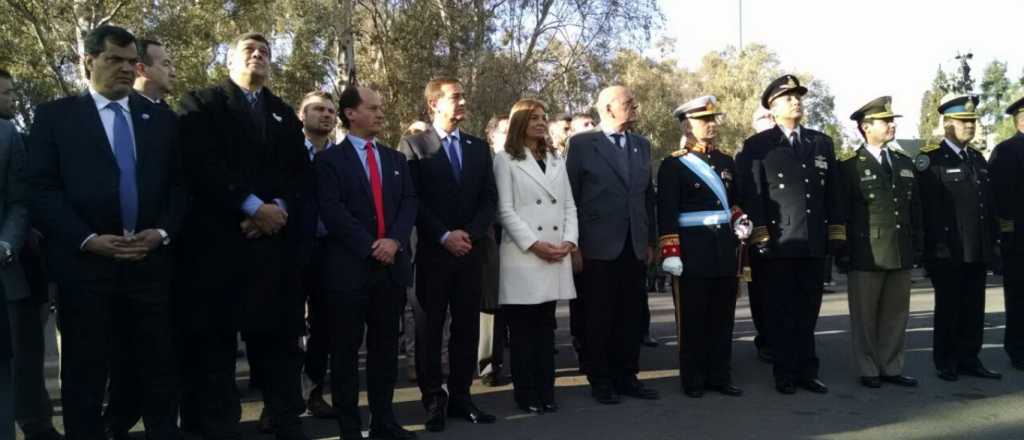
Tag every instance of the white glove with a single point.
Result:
(743, 227)
(673, 266)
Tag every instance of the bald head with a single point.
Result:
(617, 108)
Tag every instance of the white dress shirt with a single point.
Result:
(107, 117)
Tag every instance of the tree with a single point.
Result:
(997, 93)
(929, 128)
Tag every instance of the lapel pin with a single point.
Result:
(397, 173)
(145, 116)
(276, 117)
(468, 142)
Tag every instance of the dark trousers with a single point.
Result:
(959, 313)
(794, 289)
(447, 284)
(109, 329)
(613, 307)
(533, 343)
(578, 320)
(375, 313)
(645, 312)
(318, 320)
(492, 362)
(211, 365)
(1013, 295)
(6, 395)
(756, 293)
(32, 408)
(705, 310)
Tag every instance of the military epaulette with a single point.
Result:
(680, 153)
(929, 148)
(837, 232)
(1006, 225)
(668, 245)
(901, 151)
(976, 147)
(846, 157)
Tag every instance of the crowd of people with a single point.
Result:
(170, 234)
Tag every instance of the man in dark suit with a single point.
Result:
(609, 171)
(319, 115)
(103, 174)
(154, 79)
(960, 229)
(244, 150)
(788, 184)
(453, 174)
(368, 205)
(1007, 168)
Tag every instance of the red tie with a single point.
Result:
(375, 187)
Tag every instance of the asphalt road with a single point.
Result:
(969, 409)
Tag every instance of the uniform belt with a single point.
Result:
(703, 218)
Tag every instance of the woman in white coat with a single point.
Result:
(538, 214)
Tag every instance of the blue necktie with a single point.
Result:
(125, 155)
(453, 157)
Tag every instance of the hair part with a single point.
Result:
(432, 92)
(96, 40)
(518, 124)
(142, 46)
(316, 94)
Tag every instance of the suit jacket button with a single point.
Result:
(556, 228)
(540, 228)
(553, 201)
(538, 201)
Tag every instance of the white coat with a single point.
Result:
(533, 205)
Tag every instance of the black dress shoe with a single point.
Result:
(814, 386)
(694, 392)
(319, 407)
(948, 375)
(465, 409)
(436, 414)
(532, 407)
(494, 380)
(550, 407)
(636, 389)
(871, 381)
(391, 431)
(727, 389)
(605, 395)
(649, 341)
(901, 380)
(785, 387)
(982, 372)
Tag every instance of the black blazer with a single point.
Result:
(794, 192)
(229, 155)
(347, 210)
(73, 179)
(610, 206)
(707, 251)
(957, 204)
(1007, 169)
(444, 203)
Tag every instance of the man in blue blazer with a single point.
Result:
(103, 176)
(368, 206)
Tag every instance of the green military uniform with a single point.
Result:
(882, 217)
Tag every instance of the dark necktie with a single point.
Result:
(124, 152)
(453, 157)
(886, 165)
(968, 164)
(623, 150)
(376, 189)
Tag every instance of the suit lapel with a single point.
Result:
(94, 132)
(609, 152)
(435, 148)
(356, 166)
(141, 121)
(532, 169)
(387, 187)
(240, 109)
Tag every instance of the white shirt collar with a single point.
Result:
(787, 131)
(876, 151)
(311, 148)
(102, 101)
(441, 133)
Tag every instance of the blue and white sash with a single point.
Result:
(706, 174)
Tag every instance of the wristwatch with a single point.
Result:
(164, 238)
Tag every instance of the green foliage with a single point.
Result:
(928, 126)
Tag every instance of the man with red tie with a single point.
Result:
(368, 206)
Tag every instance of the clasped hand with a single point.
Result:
(267, 220)
(122, 248)
(550, 252)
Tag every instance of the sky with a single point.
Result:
(863, 49)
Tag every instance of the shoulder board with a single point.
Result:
(929, 148)
(847, 158)
(976, 147)
(901, 152)
(680, 153)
